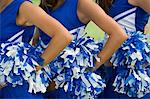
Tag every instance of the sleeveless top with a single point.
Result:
(9, 30)
(66, 14)
(131, 18)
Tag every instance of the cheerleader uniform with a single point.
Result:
(18, 59)
(28, 34)
(72, 69)
(131, 71)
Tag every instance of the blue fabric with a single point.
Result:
(8, 26)
(109, 92)
(18, 92)
(58, 94)
(28, 34)
(66, 14)
(120, 6)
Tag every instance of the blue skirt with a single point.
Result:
(58, 94)
(18, 92)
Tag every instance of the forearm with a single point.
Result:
(57, 44)
(59, 34)
(112, 44)
(116, 37)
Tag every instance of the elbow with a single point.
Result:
(68, 38)
(119, 37)
(124, 37)
(64, 36)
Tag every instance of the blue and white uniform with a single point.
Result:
(28, 34)
(19, 59)
(72, 68)
(131, 74)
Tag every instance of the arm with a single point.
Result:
(144, 4)
(60, 36)
(98, 16)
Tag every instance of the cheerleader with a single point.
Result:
(72, 69)
(23, 71)
(131, 63)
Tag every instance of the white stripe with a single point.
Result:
(128, 22)
(19, 39)
(124, 13)
(16, 35)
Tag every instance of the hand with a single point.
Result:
(51, 86)
(38, 68)
(97, 65)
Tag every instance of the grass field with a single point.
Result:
(93, 30)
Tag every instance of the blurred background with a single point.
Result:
(96, 32)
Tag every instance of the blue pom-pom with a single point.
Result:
(76, 61)
(132, 62)
(71, 69)
(18, 62)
